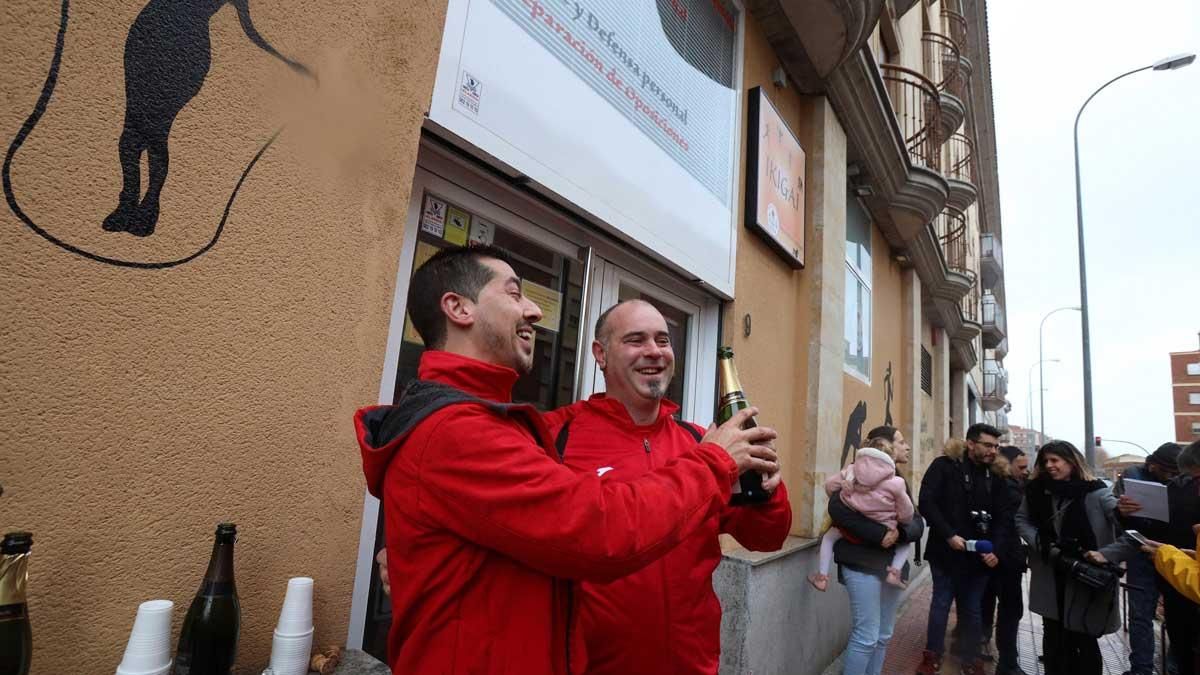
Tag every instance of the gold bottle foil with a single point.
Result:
(14, 576)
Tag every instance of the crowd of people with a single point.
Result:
(584, 539)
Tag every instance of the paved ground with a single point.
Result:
(908, 641)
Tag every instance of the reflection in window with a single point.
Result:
(858, 289)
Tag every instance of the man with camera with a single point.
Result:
(1160, 467)
(968, 511)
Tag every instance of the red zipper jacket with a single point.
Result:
(484, 525)
(665, 618)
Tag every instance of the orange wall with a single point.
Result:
(143, 406)
(772, 360)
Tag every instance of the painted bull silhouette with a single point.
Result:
(167, 57)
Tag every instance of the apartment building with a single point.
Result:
(1185, 395)
(811, 182)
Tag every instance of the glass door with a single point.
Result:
(552, 272)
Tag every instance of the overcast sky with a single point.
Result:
(1140, 165)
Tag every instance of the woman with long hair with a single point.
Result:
(1068, 518)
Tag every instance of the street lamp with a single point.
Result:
(1113, 440)
(1170, 63)
(1029, 380)
(1041, 382)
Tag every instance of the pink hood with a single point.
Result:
(872, 467)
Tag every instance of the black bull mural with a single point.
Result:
(168, 54)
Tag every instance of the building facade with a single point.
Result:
(1185, 395)
(1028, 440)
(813, 183)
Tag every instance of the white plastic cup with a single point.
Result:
(290, 654)
(295, 618)
(148, 651)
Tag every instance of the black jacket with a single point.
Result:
(1183, 503)
(1015, 557)
(868, 556)
(950, 491)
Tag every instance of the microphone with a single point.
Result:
(979, 545)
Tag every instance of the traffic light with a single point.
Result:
(1098, 443)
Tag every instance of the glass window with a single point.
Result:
(1196, 427)
(1194, 398)
(1193, 369)
(858, 289)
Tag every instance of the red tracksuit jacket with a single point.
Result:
(665, 618)
(484, 526)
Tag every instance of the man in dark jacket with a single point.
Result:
(1004, 588)
(1160, 467)
(1183, 503)
(963, 501)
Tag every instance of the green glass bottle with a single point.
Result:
(749, 488)
(209, 639)
(16, 636)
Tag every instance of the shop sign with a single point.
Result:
(775, 180)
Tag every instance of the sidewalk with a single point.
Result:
(908, 640)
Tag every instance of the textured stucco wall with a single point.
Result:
(141, 407)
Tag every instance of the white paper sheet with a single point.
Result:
(1152, 496)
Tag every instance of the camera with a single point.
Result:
(1099, 577)
(982, 522)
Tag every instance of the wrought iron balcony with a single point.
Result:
(995, 385)
(991, 260)
(956, 27)
(970, 308)
(994, 326)
(943, 65)
(951, 228)
(960, 171)
(918, 111)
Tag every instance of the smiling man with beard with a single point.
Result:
(664, 618)
(485, 527)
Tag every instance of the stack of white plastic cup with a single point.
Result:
(292, 645)
(148, 651)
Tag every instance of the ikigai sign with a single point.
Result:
(626, 110)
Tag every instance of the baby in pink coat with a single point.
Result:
(870, 486)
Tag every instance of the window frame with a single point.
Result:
(855, 268)
(1193, 368)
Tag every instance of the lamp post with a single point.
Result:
(1169, 63)
(1041, 381)
(1113, 440)
(1029, 379)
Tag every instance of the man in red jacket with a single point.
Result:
(484, 526)
(664, 618)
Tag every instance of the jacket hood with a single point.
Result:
(444, 379)
(872, 467)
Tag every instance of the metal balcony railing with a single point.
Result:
(962, 158)
(915, 101)
(995, 380)
(970, 304)
(993, 314)
(951, 229)
(956, 27)
(989, 249)
(942, 64)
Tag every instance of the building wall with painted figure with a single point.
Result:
(200, 246)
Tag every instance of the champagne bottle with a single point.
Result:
(749, 488)
(209, 638)
(16, 637)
